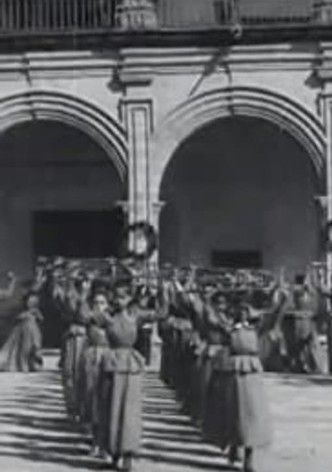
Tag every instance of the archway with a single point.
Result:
(57, 188)
(63, 167)
(58, 197)
(242, 191)
(198, 111)
(48, 104)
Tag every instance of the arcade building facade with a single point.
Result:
(211, 120)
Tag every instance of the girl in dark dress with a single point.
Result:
(74, 340)
(305, 352)
(90, 362)
(217, 328)
(272, 345)
(22, 350)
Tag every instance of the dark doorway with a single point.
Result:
(78, 234)
(237, 259)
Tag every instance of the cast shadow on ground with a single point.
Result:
(45, 435)
(303, 380)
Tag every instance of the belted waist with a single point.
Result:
(123, 359)
(211, 350)
(76, 330)
(244, 364)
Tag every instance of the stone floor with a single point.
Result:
(35, 434)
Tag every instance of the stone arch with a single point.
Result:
(209, 106)
(52, 105)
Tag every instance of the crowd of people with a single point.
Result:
(102, 324)
(219, 331)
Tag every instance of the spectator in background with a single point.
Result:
(22, 350)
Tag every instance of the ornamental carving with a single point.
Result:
(135, 15)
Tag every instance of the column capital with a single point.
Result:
(155, 208)
(126, 205)
(158, 205)
(323, 200)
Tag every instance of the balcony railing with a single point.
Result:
(256, 12)
(59, 16)
(276, 11)
(55, 15)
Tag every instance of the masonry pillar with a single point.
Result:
(328, 123)
(156, 208)
(136, 114)
(325, 75)
(137, 119)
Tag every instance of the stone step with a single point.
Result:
(33, 423)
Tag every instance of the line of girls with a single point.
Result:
(102, 367)
(291, 317)
(214, 342)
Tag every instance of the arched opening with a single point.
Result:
(58, 194)
(240, 191)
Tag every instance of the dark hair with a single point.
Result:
(99, 292)
(30, 293)
(95, 293)
(78, 282)
(239, 310)
(299, 279)
(217, 296)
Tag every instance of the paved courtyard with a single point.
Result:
(35, 434)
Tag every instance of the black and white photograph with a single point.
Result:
(166, 235)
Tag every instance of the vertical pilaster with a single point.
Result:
(156, 208)
(327, 104)
(137, 116)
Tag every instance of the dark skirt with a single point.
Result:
(272, 350)
(206, 369)
(243, 409)
(195, 386)
(72, 350)
(304, 349)
(165, 367)
(22, 350)
(143, 343)
(212, 414)
(89, 378)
